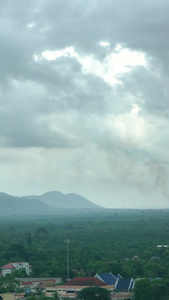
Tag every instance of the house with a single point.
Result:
(40, 287)
(16, 266)
(37, 284)
(70, 289)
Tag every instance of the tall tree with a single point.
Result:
(93, 293)
(143, 290)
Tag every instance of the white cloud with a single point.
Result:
(122, 60)
(119, 60)
(135, 109)
(53, 55)
(104, 43)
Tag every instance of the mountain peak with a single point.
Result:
(71, 200)
(46, 203)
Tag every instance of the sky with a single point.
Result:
(84, 100)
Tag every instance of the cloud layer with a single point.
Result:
(84, 100)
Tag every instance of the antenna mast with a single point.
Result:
(67, 251)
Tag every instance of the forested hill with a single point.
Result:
(51, 202)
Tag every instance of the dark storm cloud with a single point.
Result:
(83, 24)
(141, 25)
(56, 25)
(52, 90)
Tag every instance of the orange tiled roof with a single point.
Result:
(8, 266)
(86, 281)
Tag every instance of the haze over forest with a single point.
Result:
(84, 100)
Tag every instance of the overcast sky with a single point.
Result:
(84, 100)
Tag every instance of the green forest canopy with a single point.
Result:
(120, 241)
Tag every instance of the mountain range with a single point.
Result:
(51, 202)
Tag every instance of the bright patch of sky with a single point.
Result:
(30, 25)
(53, 55)
(120, 60)
(104, 43)
(130, 127)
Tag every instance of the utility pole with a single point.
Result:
(67, 251)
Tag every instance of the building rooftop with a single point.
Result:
(8, 266)
(108, 278)
(85, 281)
(124, 284)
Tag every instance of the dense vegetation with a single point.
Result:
(93, 293)
(148, 289)
(120, 241)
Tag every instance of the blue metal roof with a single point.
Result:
(118, 276)
(108, 278)
(132, 285)
(28, 291)
(124, 284)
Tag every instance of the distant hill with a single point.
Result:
(20, 205)
(47, 203)
(59, 200)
